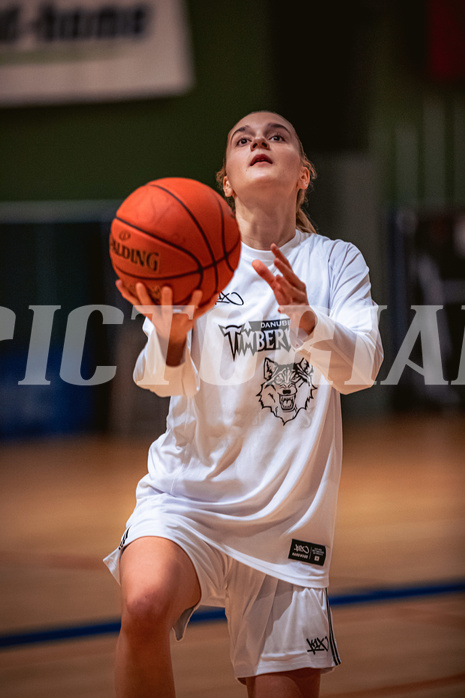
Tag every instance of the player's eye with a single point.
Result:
(242, 141)
(277, 137)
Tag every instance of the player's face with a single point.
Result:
(263, 154)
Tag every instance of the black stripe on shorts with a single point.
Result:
(332, 640)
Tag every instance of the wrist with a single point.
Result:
(175, 353)
(307, 322)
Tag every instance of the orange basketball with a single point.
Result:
(175, 232)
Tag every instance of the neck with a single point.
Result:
(261, 226)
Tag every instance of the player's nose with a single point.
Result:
(259, 142)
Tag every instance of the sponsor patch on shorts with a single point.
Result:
(312, 553)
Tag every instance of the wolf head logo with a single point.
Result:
(287, 388)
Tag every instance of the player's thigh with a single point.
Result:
(158, 580)
(300, 683)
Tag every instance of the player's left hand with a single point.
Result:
(290, 292)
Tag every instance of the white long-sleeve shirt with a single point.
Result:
(252, 452)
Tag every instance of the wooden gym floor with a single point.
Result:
(400, 534)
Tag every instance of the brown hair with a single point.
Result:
(302, 221)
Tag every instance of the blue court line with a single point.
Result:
(202, 616)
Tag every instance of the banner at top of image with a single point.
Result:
(60, 51)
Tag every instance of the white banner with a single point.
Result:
(60, 51)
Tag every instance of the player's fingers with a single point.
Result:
(143, 294)
(284, 266)
(202, 309)
(166, 296)
(288, 293)
(286, 270)
(211, 303)
(279, 255)
(125, 293)
(142, 301)
(196, 298)
(263, 271)
(281, 262)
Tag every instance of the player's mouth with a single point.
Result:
(261, 157)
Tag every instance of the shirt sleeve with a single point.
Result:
(345, 345)
(152, 373)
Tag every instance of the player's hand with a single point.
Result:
(175, 322)
(172, 323)
(290, 292)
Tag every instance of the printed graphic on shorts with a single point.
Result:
(287, 389)
(258, 335)
(318, 644)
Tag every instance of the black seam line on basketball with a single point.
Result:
(182, 249)
(160, 239)
(238, 244)
(222, 230)
(187, 209)
(223, 234)
(180, 276)
(199, 271)
(156, 278)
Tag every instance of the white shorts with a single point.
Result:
(273, 625)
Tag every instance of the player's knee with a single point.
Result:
(147, 611)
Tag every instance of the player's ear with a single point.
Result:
(304, 179)
(227, 188)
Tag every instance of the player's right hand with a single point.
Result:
(172, 323)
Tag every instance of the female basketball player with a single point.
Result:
(238, 506)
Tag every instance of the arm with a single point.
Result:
(342, 342)
(165, 365)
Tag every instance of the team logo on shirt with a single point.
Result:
(258, 335)
(287, 389)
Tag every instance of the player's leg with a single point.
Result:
(158, 583)
(301, 683)
(281, 634)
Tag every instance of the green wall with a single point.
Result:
(416, 123)
(104, 151)
(350, 81)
